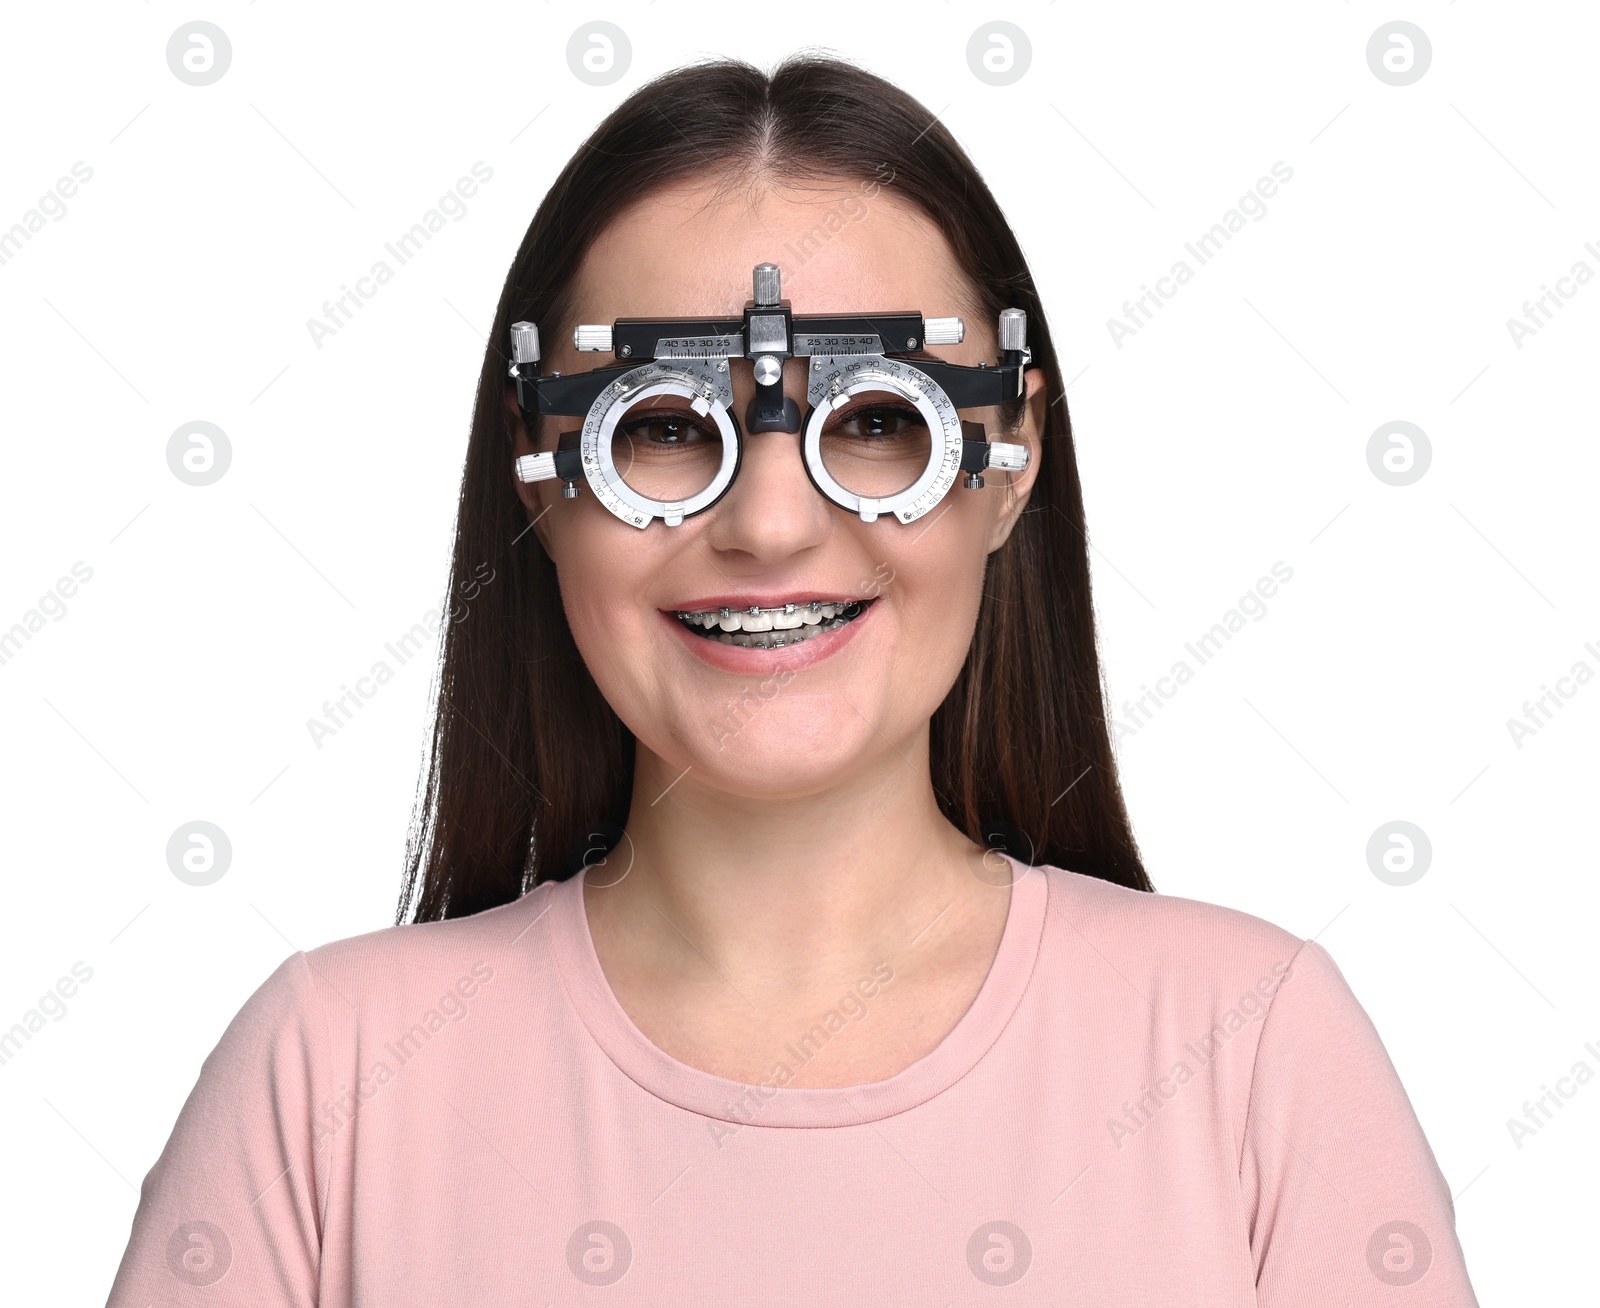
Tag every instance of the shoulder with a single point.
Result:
(1166, 963)
(1162, 931)
(401, 971)
(1163, 985)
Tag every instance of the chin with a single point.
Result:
(773, 752)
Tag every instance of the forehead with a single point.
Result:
(841, 247)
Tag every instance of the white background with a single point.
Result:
(1228, 434)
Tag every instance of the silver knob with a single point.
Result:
(767, 370)
(524, 342)
(536, 467)
(943, 331)
(768, 285)
(591, 336)
(1007, 457)
(1013, 329)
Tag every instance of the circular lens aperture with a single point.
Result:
(665, 446)
(875, 444)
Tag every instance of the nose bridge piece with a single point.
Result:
(772, 472)
(761, 418)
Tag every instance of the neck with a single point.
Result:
(791, 891)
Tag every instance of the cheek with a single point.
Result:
(603, 575)
(932, 579)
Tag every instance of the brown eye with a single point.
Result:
(665, 450)
(667, 430)
(876, 422)
(877, 446)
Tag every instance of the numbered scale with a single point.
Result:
(882, 435)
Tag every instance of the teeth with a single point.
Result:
(789, 617)
(776, 639)
(770, 628)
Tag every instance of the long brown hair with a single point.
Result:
(529, 766)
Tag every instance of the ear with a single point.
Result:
(1012, 496)
(532, 494)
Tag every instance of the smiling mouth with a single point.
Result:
(772, 628)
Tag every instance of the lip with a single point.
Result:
(746, 659)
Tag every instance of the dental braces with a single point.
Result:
(755, 610)
(777, 639)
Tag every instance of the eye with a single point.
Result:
(876, 422)
(666, 429)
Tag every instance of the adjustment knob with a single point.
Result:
(591, 336)
(1013, 329)
(943, 331)
(524, 342)
(536, 467)
(1007, 457)
(768, 285)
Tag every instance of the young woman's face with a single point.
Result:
(812, 714)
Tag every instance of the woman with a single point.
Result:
(719, 981)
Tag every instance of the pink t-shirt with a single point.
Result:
(1152, 1101)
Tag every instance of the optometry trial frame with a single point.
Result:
(641, 478)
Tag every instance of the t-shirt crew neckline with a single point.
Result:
(663, 1076)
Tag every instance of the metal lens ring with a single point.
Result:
(709, 393)
(841, 378)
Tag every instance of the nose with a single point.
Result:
(771, 511)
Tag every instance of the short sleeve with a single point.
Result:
(233, 1206)
(1345, 1199)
